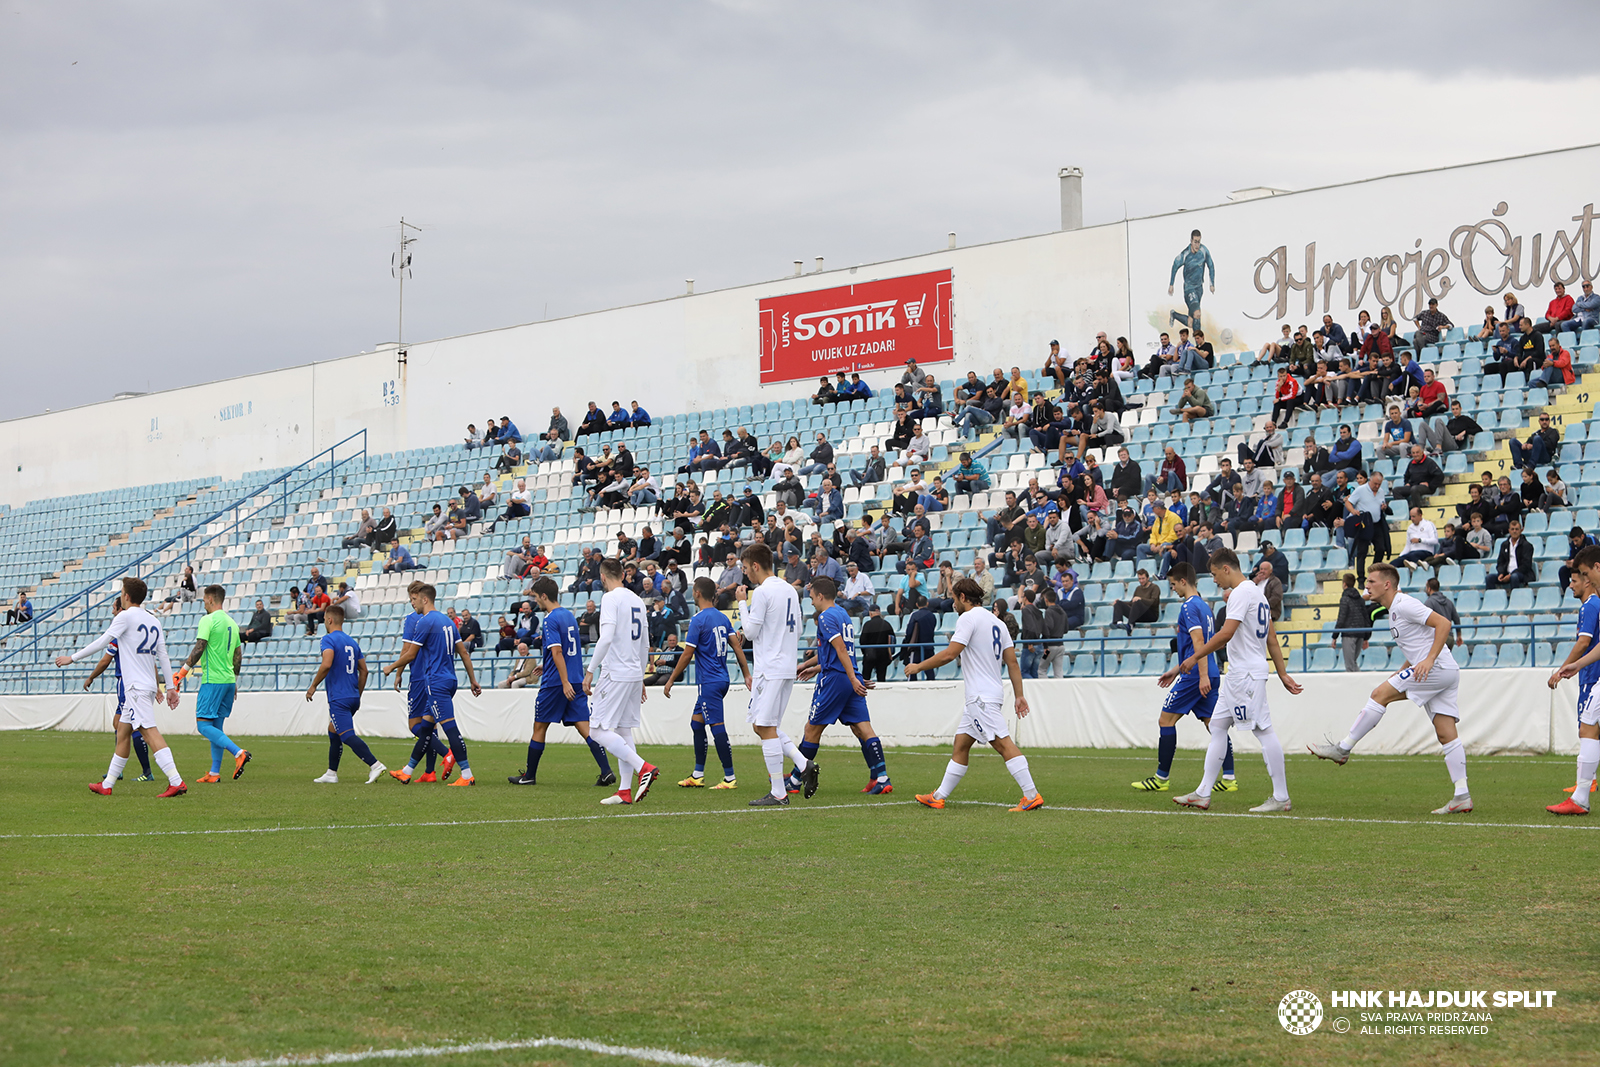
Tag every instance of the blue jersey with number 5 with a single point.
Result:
(342, 682)
(560, 636)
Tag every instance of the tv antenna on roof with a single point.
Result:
(400, 267)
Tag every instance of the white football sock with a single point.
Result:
(1370, 716)
(626, 733)
(1216, 752)
(114, 771)
(168, 767)
(952, 778)
(772, 753)
(1455, 761)
(1588, 764)
(792, 750)
(1272, 752)
(1018, 766)
(627, 756)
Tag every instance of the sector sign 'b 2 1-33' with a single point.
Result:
(859, 327)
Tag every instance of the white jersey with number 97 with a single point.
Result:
(985, 640)
(1247, 649)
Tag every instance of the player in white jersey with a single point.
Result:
(1429, 679)
(984, 646)
(1250, 637)
(141, 649)
(771, 620)
(620, 657)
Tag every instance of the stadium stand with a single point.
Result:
(67, 552)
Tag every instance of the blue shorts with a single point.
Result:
(341, 714)
(708, 705)
(835, 701)
(429, 701)
(1186, 697)
(552, 705)
(216, 700)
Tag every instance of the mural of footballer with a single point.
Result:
(1194, 260)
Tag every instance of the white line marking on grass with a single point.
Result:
(447, 822)
(1276, 817)
(649, 1055)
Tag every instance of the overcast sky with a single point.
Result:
(195, 190)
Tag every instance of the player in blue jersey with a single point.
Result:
(140, 749)
(1194, 692)
(430, 646)
(344, 665)
(1584, 661)
(560, 696)
(707, 644)
(841, 693)
(1194, 260)
(428, 746)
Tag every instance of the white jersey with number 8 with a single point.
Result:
(984, 639)
(1247, 649)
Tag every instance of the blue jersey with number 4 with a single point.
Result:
(560, 635)
(343, 685)
(1196, 615)
(708, 633)
(835, 622)
(1589, 624)
(436, 637)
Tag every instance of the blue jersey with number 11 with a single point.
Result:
(560, 635)
(436, 635)
(708, 633)
(1196, 615)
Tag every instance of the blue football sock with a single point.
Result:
(872, 752)
(359, 747)
(599, 753)
(698, 728)
(1227, 761)
(417, 751)
(141, 750)
(457, 745)
(220, 742)
(719, 736)
(335, 750)
(535, 750)
(1166, 748)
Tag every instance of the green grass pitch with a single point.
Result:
(847, 930)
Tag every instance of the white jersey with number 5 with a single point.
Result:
(772, 620)
(624, 646)
(984, 639)
(1247, 650)
(1408, 625)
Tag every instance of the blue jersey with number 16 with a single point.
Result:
(343, 685)
(1196, 615)
(708, 633)
(835, 622)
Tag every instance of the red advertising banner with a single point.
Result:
(867, 326)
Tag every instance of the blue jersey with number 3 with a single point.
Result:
(560, 634)
(708, 633)
(343, 685)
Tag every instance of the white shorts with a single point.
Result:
(983, 720)
(1435, 695)
(139, 709)
(1242, 701)
(1589, 707)
(769, 699)
(615, 704)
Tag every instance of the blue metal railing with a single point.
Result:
(32, 630)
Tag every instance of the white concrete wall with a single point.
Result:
(697, 353)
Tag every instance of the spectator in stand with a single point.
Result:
(508, 430)
(518, 562)
(1586, 310)
(828, 504)
(1577, 540)
(1160, 534)
(1391, 328)
(930, 399)
(820, 457)
(187, 592)
(1430, 324)
(549, 451)
(1354, 624)
(1491, 324)
(1345, 454)
(260, 627)
(1287, 399)
(645, 490)
(319, 604)
(519, 504)
(1396, 436)
(1173, 475)
(558, 425)
(470, 631)
(729, 581)
(348, 601)
(1422, 478)
(1127, 480)
(1143, 606)
(1542, 446)
(971, 476)
(1193, 403)
(471, 507)
(399, 560)
(1514, 311)
(1017, 415)
(825, 394)
(1364, 523)
(1557, 368)
(1559, 312)
(1104, 430)
(474, 439)
(594, 420)
(526, 669)
(859, 595)
(1271, 588)
(487, 494)
(1514, 567)
(1268, 451)
(1422, 541)
(1554, 493)
(510, 456)
(638, 417)
(22, 610)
